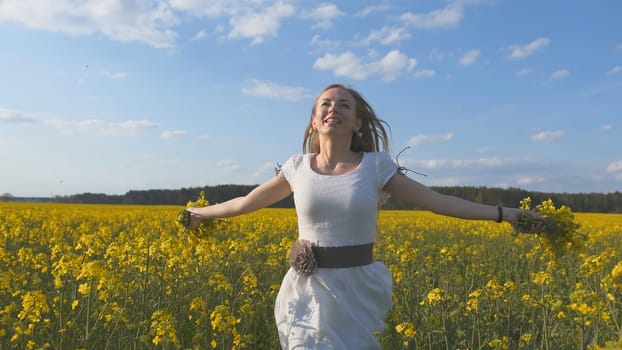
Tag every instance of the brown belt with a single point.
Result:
(305, 256)
(344, 256)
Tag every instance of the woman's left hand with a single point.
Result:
(518, 217)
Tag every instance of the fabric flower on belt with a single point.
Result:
(301, 257)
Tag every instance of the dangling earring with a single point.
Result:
(310, 130)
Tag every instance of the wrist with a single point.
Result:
(499, 214)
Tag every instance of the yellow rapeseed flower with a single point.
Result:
(406, 330)
(541, 278)
(560, 231)
(435, 296)
(163, 328)
(34, 304)
(84, 288)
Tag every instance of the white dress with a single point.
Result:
(336, 308)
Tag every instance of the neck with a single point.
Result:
(333, 151)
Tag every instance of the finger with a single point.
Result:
(535, 228)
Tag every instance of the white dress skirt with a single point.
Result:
(339, 308)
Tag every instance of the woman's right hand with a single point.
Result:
(195, 218)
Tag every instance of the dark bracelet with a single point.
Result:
(500, 217)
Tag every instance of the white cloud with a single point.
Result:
(548, 136)
(146, 21)
(615, 70)
(425, 73)
(524, 51)
(531, 174)
(97, 126)
(524, 72)
(607, 127)
(391, 65)
(199, 7)
(370, 10)
(469, 57)
(201, 34)
(216, 8)
(269, 89)
(323, 14)
(412, 63)
(228, 165)
(325, 43)
(173, 134)
(263, 172)
(387, 36)
(249, 19)
(619, 47)
(460, 163)
(448, 17)
(346, 64)
(258, 25)
(421, 139)
(15, 117)
(132, 126)
(614, 167)
(349, 65)
(560, 73)
(127, 128)
(529, 180)
(438, 55)
(485, 150)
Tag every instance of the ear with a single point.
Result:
(312, 120)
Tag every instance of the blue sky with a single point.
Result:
(111, 96)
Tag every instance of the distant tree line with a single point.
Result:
(579, 202)
(511, 197)
(214, 194)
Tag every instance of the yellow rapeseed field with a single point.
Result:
(125, 277)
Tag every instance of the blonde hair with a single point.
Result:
(374, 136)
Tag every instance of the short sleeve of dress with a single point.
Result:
(385, 167)
(288, 169)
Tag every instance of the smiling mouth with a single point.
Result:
(331, 120)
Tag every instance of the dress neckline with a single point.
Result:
(358, 166)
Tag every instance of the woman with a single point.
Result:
(335, 296)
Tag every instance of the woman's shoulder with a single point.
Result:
(295, 160)
(381, 160)
(378, 155)
(297, 157)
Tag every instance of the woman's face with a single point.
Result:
(335, 113)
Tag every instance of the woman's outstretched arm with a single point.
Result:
(407, 190)
(270, 192)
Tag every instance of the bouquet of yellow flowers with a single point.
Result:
(205, 227)
(560, 232)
